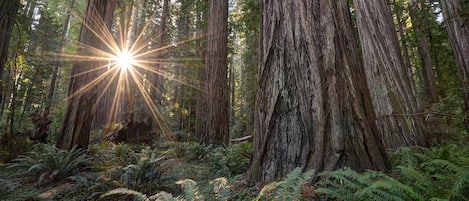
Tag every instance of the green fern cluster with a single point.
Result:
(440, 173)
(289, 189)
(346, 184)
(144, 175)
(50, 164)
(231, 160)
(189, 187)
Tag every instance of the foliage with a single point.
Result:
(440, 173)
(230, 160)
(289, 189)
(346, 184)
(49, 164)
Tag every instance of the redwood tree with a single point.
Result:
(458, 32)
(8, 9)
(216, 68)
(390, 85)
(311, 101)
(80, 107)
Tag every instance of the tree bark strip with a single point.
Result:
(216, 67)
(387, 76)
(8, 9)
(458, 33)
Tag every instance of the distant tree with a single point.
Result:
(216, 68)
(458, 33)
(312, 102)
(79, 115)
(418, 23)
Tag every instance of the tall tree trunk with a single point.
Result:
(458, 34)
(200, 73)
(8, 9)
(310, 108)
(398, 10)
(424, 52)
(157, 79)
(216, 89)
(79, 115)
(393, 100)
(55, 71)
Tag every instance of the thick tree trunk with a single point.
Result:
(216, 89)
(8, 9)
(458, 33)
(310, 109)
(393, 100)
(80, 107)
(424, 53)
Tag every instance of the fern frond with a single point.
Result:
(124, 191)
(267, 189)
(191, 190)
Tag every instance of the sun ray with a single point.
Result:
(124, 64)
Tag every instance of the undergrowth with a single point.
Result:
(129, 172)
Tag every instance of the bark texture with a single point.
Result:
(216, 68)
(310, 107)
(82, 99)
(458, 34)
(8, 9)
(390, 85)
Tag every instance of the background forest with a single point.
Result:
(234, 100)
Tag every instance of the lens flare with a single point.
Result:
(124, 60)
(127, 68)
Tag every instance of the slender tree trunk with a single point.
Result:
(200, 72)
(55, 71)
(8, 9)
(158, 80)
(310, 109)
(79, 115)
(458, 33)
(216, 88)
(398, 10)
(424, 52)
(393, 100)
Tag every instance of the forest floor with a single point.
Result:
(189, 171)
(175, 163)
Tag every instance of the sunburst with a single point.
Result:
(127, 63)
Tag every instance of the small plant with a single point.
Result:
(51, 164)
(440, 173)
(191, 192)
(289, 189)
(346, 184)
(231, 160)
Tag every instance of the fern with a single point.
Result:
(113, 194)
(220, 188)
(346, 184)
(290, 188)
(443, 175)
(50, 164)
(191, 190)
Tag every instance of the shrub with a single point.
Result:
(290, 188)
(230, 160)
(50, 164)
